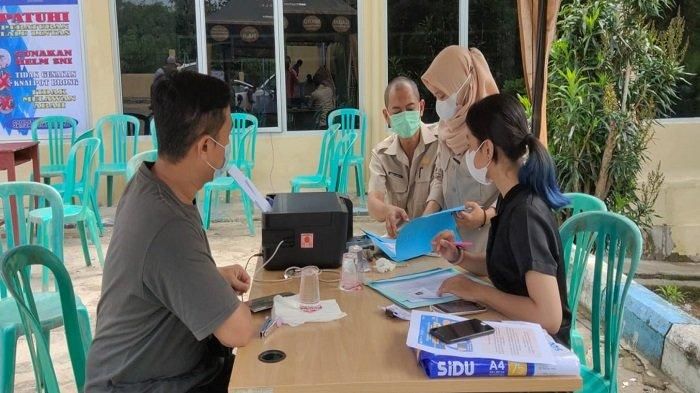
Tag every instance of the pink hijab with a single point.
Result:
(448, 72)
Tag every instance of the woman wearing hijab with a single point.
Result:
(459, 77)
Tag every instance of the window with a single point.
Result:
(154, 36)
(241, 52)
(321, 68)
(494, 30)
(417, 31)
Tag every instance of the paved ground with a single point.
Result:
(231, 244)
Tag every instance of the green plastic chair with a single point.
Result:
(57, 138)
(580, 203)
(14, 267)
(132, 166)
(348, 118)
(228, 184)
(81, 215)
(611, 238)
(47, 303)
(341, 161)
(584, 203)
(241, 123)
(93, 195)
(120, 148)
(154, 135)
(26, 196)
(321, 178)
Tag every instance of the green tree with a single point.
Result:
(612, 73)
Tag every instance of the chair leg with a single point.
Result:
(248, 210)
(110, 184)
(84, 323)
(94, 234)
(8, 353)
(228, 196)
(44, 240)
(84, 242)
(96, 209)
(206, 217)
(360, 184)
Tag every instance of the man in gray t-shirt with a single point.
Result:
(166, 309)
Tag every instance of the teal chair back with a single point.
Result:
(14, 267)
(340, 160)
(135, 162)
(25, 195)
(121, 151)
(154, 134)
(327, 148)
(87, 134)
(56, 132)
(244, 135)
(581, 203)
(82, 175)
(350, 119)
(611, 238)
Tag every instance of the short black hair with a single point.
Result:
(185, 106)
(400, 80)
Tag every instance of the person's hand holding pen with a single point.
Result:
(395, 216)
(472, 217)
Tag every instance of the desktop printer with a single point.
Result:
(312, 226)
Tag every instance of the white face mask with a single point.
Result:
(446, 109)
(479, 174)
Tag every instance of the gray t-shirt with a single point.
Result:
(162, 296)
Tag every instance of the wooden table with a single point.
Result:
(13, 154)
(363, 352)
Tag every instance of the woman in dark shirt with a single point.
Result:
(523, 256)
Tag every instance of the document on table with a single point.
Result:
(513, 341)
(249, 188)
(415, 238)
(416, 290)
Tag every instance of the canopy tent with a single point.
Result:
(538, 21)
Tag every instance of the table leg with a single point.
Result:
(12, 176)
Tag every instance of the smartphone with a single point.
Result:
(460, 331)
(265, 302)
(459, 307)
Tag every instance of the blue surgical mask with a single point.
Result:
(226, 165)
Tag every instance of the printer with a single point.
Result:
(312, 226)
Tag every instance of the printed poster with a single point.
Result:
(41, 65)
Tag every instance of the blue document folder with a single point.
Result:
(401, 289)
(415, 237)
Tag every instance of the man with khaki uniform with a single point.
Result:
(402, 165)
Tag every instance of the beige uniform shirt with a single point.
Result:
(405, 185)
(452, 186)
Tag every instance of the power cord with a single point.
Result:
(290, 273)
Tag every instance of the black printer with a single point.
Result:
(312, 226)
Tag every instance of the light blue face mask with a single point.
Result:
(405, 124)
(223, 170)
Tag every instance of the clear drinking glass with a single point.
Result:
(349, 273)
(309, 294)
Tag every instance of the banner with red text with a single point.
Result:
(41, 65)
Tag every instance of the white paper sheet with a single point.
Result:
(249, 188)
(519, 342)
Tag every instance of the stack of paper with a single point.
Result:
(415, 237)
(514, 349)
(416, 290)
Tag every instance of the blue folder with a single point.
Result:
(415, 237)
(400, 298)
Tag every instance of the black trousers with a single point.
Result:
(224, 358)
